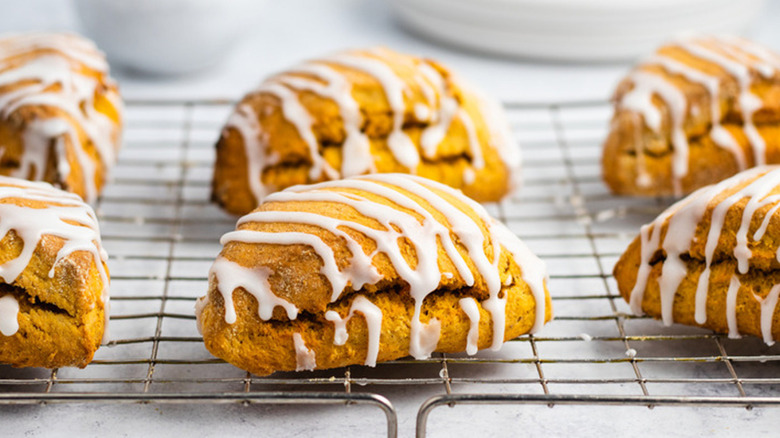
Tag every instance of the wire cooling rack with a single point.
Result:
(162, 233)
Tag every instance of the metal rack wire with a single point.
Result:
(162, 234)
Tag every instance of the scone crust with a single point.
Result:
(714, 244)
(68, 128)
(62, 310)
(284, 158)
(265, 346)
(639, 157)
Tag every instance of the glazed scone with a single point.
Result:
(60, 112)
(365, 270)
(697, 111)
(711, 260)
(53, 277)
(360, 112)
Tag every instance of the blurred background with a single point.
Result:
(517, 50)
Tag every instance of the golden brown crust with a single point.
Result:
(285, 157)
(714, 240)
(92, 116)
(61, 316)
(638, 158)
(263, 347)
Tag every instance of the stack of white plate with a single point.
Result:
(580, 30)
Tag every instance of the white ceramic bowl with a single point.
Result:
(571, 30)
(166, 36)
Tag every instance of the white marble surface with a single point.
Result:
(286, 32)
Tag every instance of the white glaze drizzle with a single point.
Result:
(231, 276)
(768, 306)
(731, 307)
(65, 216)
(423, 231)
(245, 121)
(471, 309)
(296, 114)
(356, 150)
(373, 316)
(399, 143)
(719, 134)
(9, 315)
(640, 100)
(320, 78)
(305, 359)
(683, 219)
(59, 64)
(737, 57)
(749, 102)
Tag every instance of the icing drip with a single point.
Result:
(768, 306)
(66, 216)
(683, 219)
(731, 307)
(640, 99)
(296, 114)
(373, 317)
(748, 101)
(356, 151)
(60, 64)
(9, 314)
(304, 358)
(719, 134)
(245, 121)
(471, 309)
(230, 276)
(400, 144)
(423, 231)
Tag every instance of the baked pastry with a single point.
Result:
(364, 270)
(711, 259)
(359, 112)
(697, 111)
(60, 112)
(53, 277)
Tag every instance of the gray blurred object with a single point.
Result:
(570, 30)
(169, 37)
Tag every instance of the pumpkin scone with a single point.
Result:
(711, 260)
(695, 112)
(60, 112)
(361, 112)
(365, 270)
(53, 277)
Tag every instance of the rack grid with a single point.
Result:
(162, 233)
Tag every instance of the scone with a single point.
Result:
(365, 270)
(711, 260)
(53, 277)
(697, 111)
(60, 112)
(360, 112)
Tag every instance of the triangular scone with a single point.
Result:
(360, 112)
(53, 277)
(364, 270)
(712, 258)
(60, 112)
(695, 112)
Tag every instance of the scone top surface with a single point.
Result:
(60, 112)
(712, 258)
(394, 245)
(359, 112)
(53, 276)
(696, 111)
